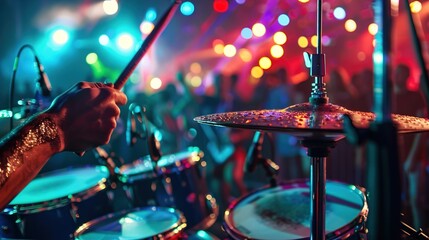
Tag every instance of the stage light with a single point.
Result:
(220, 5)
(313, 40)
(277, 51)
(151, 15)
(229, 50)
(187, 8)
(60, 37)
(246, 33)
(245, 55)
(110, 7)
(257, 72)
(302, 42)
(104, 40)
(265, 63)
(283, 19)
(196, 81)
(258, 29)
(339, 13)
(155, 83)
(146, 27)
(416, 6)
(350, 25)
(195, 68)
(373, 28)
(125, 42)
(279, 38)
(91, 58)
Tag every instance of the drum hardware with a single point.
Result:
(62, 203)
(254, 157)
(318, 125)
(409, 233)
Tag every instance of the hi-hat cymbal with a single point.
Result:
(308, 121)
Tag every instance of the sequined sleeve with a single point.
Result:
(21, 141)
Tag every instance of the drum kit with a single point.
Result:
(170, 198)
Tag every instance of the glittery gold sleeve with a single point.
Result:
(17, 145)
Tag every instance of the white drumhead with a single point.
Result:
(140, 223)
(60, 184)
(283, 212)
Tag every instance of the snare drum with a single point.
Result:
(283, 212)
(140, 223)
(54, 204)
(178, 182)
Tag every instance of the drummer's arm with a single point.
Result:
(24, 151)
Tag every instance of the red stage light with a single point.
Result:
(220, 5)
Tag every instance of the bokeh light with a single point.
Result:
(373, 28)
(240, 1)
(155, 83)
(195, 68)
(91, 58)
(110, 7)
(125, 42)
(60, 37)
(258, 29)
(218, 46)
(104, 40)
(265, 63)
(151, 15)
(220, 5)
(246, 33)
(339, 13)
(277, 51)
(283, 19)
(416, 6)
(279, 38)
(256, 72)
(146, 27)
(350, 25)
(229, 50)
(314, 41)
(245, 55)
(196, 81)
(187, 8)
(302, 42)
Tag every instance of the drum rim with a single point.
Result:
(355, 225)
(177, 228)
(194, 156)
(59, 202)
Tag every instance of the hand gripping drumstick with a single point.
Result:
(122, 79)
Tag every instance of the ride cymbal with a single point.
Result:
(306, 120)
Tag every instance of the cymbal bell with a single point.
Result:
(308, 121)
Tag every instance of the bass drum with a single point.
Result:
(283, 212)
(55, 204)
(178, 181)
(140, 223)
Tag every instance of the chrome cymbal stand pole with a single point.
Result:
(317, 149)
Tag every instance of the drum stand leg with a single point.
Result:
(318, 152)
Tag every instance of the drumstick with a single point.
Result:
(122, 79)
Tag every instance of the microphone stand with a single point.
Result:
(383, 184)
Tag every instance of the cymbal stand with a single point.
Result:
(318, 149)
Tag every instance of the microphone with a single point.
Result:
(43, 87)
(254, 154)
(43, 80)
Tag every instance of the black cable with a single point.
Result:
(12, 82)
